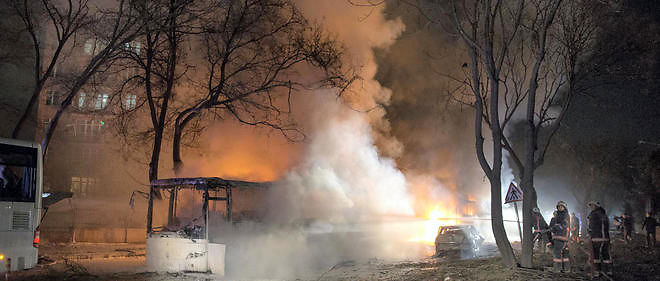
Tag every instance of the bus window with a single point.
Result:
(17, 173)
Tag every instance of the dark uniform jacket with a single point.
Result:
(559, 226)
(599, 225)
(628, 222)
(650, 223)
(539, 223)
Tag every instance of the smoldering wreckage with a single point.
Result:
(191, 243)
(198, 232)
(375, 193)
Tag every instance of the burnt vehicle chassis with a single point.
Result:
(463, 240)
(187, 248)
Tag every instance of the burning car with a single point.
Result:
(463, 239)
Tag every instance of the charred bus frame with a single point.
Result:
(173, 186)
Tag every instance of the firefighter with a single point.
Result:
(559, 226)
(650, 223)
(575, 228)
(599, 232)
(540, 228)
(553, 221)
(618, 223)
(627, 227)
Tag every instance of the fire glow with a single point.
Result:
(436, 217)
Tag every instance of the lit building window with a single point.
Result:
(133, 45)
(81, 100)
(82, 185)
(52, 98)
(45, 122)
(131, 102)
(101, 101)
(136, 47)
(89, 46)
(93, 47)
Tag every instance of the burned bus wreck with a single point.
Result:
(179, 239)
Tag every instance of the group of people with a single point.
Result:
(556, 234)
(564, 228)
(624, 223)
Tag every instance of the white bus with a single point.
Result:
(20, 203)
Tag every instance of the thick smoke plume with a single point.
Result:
(353, 189)
(342, 177)
(338, 200)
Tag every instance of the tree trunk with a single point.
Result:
(181, 122)
(494, 174)
(499, 231)
(529, 203)
(529, 194)
(155, 154)
(176, 152)
(53, 124)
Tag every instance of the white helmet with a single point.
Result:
(562, 203)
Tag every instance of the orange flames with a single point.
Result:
(244, 153)
(438, 216)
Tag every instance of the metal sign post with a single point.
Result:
(515, 206)
(514, 194)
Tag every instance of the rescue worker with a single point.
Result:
(559, 226)
(627, 227)
(618, 222)
(540, 228)
(553, 220)
(575, 228)
(599, 233)
(650, 223)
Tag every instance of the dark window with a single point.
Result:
(52, 98)
(18, 173)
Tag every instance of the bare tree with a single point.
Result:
(155, 71)
(562, 34)
(112, 29)
(64, 21)
(255, 52)
(523, 57)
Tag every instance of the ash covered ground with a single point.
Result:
(126, 262)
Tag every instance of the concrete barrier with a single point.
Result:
(168, 252)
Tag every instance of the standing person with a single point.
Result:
(540, 228)
(599, 233)
(559, 226)
(627, 227)
(575, 228)
(650, 223)
(553, 221)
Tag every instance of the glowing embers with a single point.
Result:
(437, 217)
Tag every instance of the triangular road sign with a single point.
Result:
(514, 194)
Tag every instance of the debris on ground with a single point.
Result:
(632, 262)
